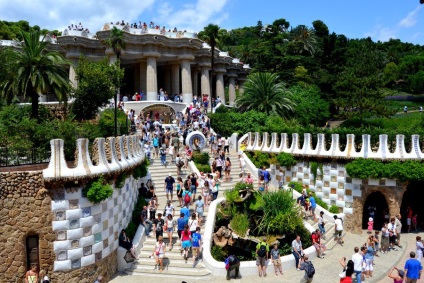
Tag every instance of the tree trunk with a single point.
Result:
(34, 105)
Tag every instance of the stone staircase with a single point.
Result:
(174, 264)
(329, 233)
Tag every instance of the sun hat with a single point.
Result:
(370, 219)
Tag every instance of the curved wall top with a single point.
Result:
(256, 141)
(126, 147)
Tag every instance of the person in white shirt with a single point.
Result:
(392, 234)
(147, 150)
(338, 230)
(358, 260)
(242, 164)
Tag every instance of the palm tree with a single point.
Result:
(265, 94)
(306, 39)
(117, 42)
(37, 70)
(210, 35)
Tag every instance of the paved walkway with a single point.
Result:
(327, 269)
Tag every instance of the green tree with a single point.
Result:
(310, 107)
(304, 40)
(36, 70)
(264, 93)
(96, 85)
(210, 34)
(116, 41)
(416, 82)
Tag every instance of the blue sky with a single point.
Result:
(379, 19)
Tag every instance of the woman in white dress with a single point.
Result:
(420, 248)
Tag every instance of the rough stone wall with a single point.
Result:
(58, 110)
(393, 195)
(24, 210)
(107, 267)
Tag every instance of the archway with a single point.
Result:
(376, 202)
(165, 113)
(413, 197)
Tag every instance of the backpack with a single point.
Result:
(187, 198)
(262, 251)
(180, 163)
(310, 270)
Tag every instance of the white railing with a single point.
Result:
(256, 141)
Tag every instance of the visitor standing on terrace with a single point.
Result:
(262, 250)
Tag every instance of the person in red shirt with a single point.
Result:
(316, 241)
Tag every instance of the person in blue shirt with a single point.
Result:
(413, 268)
(196, 245)
(267, 177)
(181, 222)
(184, 210)
(313, 205)
(156, 147)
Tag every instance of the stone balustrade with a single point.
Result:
(276, 144)
(118, 154)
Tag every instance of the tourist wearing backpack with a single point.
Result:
(187, 197)
(309, 270)
(232, 263)
(262, 250)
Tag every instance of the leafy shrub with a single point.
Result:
(131, 230)
(106, 123)
(141, 170)
(297, 186)
(203, 168)
(201, 158)
(320, 202)
(218, 253)
(240, 224)
(286, 159)
(402, 171)
(221, 109)
(232, 195)
(120, 180)
(261, 159)
(98, 190)
(334, 209)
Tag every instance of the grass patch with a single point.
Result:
(240, 224)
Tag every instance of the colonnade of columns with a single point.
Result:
(180, 70)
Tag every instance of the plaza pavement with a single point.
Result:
(327, 269)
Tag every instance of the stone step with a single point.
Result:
(178, 263)
(175, 254)
(170, 272)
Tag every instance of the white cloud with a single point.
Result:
(381, 33)
(52, 14)
(411, 19)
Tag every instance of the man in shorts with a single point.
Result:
(276, 260)
(196, 239)
(338, 230)
(316, 241)
(169, 186)
(262, 250)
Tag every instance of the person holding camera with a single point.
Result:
(297, 251)
(309, 269)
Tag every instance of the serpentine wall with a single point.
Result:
(77, 239)
(332, 183)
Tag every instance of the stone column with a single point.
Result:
(220, 91)
(175, 79)
(187, 88)
(143, 77)
(195, 83)
(73, 76)
(232, 89)
(205, 84)
(151, 80)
